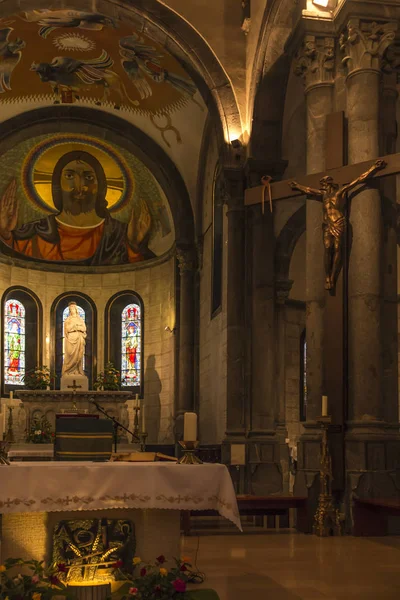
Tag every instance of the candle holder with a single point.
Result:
(4, 447)
(326, 519)
(189, 456)
(142, 436)
(136, 424)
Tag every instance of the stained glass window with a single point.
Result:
(81, 313)
(131, 345)
(14, 342)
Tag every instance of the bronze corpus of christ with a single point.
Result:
(333, 198)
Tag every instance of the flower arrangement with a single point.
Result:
(38, 378)
(109, 379)
(155, 581)
(37, 582)
(40, 431)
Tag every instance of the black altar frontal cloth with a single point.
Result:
(83, 438)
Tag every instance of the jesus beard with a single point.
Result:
(75, 204)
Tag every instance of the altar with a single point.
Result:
(36, 497)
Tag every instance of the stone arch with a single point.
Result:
(270, 73)
(179, 37)
(56, 328)
(62, 118)
(286, 242)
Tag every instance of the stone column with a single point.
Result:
(315, 62)
(235, 303)
(282, 291)
(389, 97)
(364, 45)
(187, 269)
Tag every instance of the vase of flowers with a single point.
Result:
(29, 579)
(39, 378)
(109, 379)
(40, 431)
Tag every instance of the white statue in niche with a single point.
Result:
(74, 342)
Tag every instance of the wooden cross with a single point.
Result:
(74, 386)
(335, 325)
(281, 190)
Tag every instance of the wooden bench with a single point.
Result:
(259, 506)
(370, 516)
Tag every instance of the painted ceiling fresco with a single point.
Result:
(69, 56)
(75, 199)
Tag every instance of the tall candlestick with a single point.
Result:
(324, 406)
(143, 418)
(190, 427)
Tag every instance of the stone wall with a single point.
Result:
(156, 286)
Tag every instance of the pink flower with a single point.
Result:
(54, 580)
(133, 591)
(179, 585)
(62, 568)
(35, 579)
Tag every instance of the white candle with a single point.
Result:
(190, 427)
(11, 395)
(324, 406)
(143, 419)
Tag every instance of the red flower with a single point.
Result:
(62, 568)
(118, 564)
(161, 559)
(157, 590)
(179, 585)
(183, 567)
(54, 580)
(143, 572)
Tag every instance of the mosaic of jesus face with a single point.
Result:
(79, 187)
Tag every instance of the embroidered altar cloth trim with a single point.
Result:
(65, 486)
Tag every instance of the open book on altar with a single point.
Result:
(141, 457)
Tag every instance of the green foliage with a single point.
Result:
(155, 581)
(40, 431)
(109, 379)
(38, 378)
(30, 580)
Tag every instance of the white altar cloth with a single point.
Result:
(83, 486)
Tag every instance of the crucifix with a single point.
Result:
(74, 387)
(331, 187)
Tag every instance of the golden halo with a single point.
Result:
(40, 171)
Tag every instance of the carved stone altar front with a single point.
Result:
(48, 403)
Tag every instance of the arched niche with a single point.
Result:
(26, 344)
(56, 120)
(57, 315)
(124, 335)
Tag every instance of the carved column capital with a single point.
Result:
(282, 290)
(315, 61)
(187, 261)
(365, 44)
